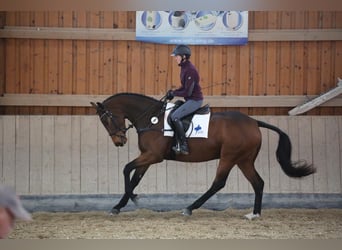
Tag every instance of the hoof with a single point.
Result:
(114, 211)
(252, 216)
(186, 212)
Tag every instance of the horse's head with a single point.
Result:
(114, 124)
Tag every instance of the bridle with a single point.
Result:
(120, 132)
(118, 129)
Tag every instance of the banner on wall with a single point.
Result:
(192, 27)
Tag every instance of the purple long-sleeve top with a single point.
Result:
(190, 88)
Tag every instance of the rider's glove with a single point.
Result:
(169, 95)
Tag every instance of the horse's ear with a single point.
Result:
(100, 105)
(94, 105)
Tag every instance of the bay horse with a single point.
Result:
(233, 137)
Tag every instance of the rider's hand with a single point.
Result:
(169, 95)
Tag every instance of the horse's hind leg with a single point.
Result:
(219, 182)
(257, 183)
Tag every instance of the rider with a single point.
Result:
(190, 90)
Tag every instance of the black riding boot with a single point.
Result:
(182, 145)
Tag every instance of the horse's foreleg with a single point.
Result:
(140, 165)
(136, 178)
(219, 182)
(128, 189)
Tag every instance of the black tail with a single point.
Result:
(283, 153)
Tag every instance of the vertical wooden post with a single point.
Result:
(2, 55)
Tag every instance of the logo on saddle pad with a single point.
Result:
(198, 127)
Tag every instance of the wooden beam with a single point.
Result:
(319, 100)
(214, 101)
(129, 34)
(295, 35)
(67, 33)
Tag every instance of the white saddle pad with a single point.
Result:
(198, 128)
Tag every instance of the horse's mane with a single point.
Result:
(130, 94)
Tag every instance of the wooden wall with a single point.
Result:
(74, 155)
(106, 67)
(2, 55)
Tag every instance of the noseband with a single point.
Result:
(117, 131)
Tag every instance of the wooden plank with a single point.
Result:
(285, 69)
(107, 57)
(163, 61)
(117, 34)
(305, 146)
(38, 57)
(75, 154)
(318, 100)
(36, 150)
(333, 161)
(59, 33)
(299, 85)
(149, 69)
(319, 155)
(340, 145)
(93, 52)
(214, 101)
(338, 64)
(122, 66)
(295, 128)
(202, 66)
(275, 170)
(65, 62)
(294, 35)
(232, 86)
(272, 70)
(89, 164)
(172, 181)
(258, 87)
(80, 60)
(51, 60)
(102, 158)
(326, 50)
(2, 146)
(161, 177)
(244, 75)
(62, 173)
(114, 167)
(2, 54)
(22, 154)
(9, 151)
(48, 154)
(312, 65)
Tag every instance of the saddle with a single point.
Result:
(186, 120)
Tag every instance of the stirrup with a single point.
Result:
(184, 149)
(181, 149)
(177, 148)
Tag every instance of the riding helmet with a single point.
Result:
(182, 50)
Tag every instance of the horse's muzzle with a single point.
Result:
(119, 140)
